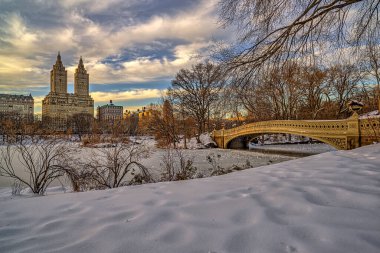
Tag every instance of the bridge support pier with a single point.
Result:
(353, 132)
(218, 137)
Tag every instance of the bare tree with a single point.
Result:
(165, 125)
(272, 32)
(197, 90)
(14, 126)
(252, 95)
(81, 124)
(43, 161)
(279, 93)
(131, 121)
(367, 95)
(343, 81)
(370, 60)
(283, 89)
(315, 90)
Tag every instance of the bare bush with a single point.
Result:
(176, 166)
(42, 160)
(79, 178)
(17, 187)
(214, 161)
(110, 168)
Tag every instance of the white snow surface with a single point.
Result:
(373, 114)
(323, 203)
(205, 142)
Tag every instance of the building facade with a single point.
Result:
(110, 113)
(19, 106)
(59, 107)
(147, 111)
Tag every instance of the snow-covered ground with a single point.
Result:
(228, 159)
(205, 142)
(373, 114)
(324, 203)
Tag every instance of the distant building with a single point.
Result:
(110, 112)
(59, 107)
(239, 117)
(146, 112)
(17, 106)
(144, 117)
(130, 114)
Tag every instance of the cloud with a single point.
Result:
(137, 94)
(16, 33)
(79, 35)
(122, 42)
(93, 6)
(143, 69)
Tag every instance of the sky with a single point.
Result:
(132, 49)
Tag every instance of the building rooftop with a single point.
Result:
(110, 105)
(7, 96)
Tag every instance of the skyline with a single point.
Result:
(131, 50)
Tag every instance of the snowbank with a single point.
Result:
(324, 203)
(373, 114)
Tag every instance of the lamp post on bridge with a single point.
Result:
(355, 106)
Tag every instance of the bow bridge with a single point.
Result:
(342, 134)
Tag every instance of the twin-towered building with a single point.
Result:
(61, 110)
(59, 106)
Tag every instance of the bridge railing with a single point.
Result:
(297, 126)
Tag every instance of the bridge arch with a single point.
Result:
(341, 134)
(252, 136)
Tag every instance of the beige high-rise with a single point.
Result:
(81, 80)
(59, 107)
(58, 77)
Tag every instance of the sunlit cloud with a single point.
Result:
(124, 42)
(126, 95)
(144, 69)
